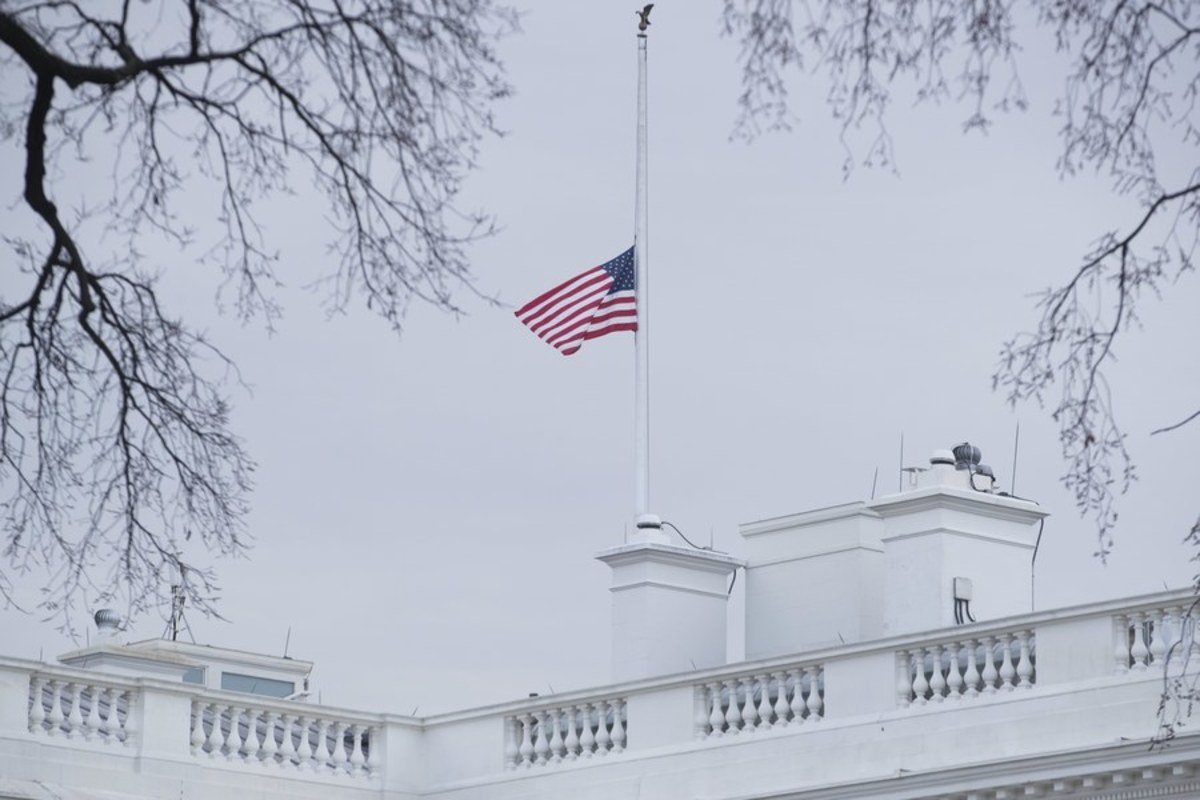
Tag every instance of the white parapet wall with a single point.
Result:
(670, 608)
(1004, 708)
(813, 580)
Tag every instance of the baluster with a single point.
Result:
(716, 719)
(304, 751)
(1175, 643)
(1139, 652)
(764, 700)
(91, 723)
(197, 739)
(212, 744)
(269, 747)
(108, 718)
(603, 738)
(526, 748)
(797, 706)
(233, 737)
(556, 738)
(1158, 644)
(587, 742)
(512, 744)
(357, 759)
(619, 725)
(37, 711)
(541, 745)
(971, 678)
(1190, 636)
(571, 743)
(954, 681)
(815, 704)
(242, 736)
(75, 718)
(750, 711)
(287, 748)
(253, 743)
(338, 757)
(374, 754)
(904, 679)
(700, 711)
(55, 717)
(920, 685)
(127, 728)
(937, 681)
(321, 755)
(1007, 670)
(733, 714)
(781, 699)
(1121, 658)
(1024, 664)
(989, 666)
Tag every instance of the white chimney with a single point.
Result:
(813, 580)
(669, 607)
(953, 525)
(861, 571)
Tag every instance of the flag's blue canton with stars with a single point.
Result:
(599, 301)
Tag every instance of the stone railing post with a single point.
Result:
(162, 720)
(660, 717)
(397, 755)
(14, 701)
(861, 684)
(1075, 649)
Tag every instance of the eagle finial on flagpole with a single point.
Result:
(644, 14)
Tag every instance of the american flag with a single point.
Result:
(598, 301)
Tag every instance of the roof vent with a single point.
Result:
(966, 456)
(108, 622)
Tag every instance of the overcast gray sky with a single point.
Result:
(427, 508)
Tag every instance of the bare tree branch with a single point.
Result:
(118, 467)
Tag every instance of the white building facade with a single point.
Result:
(867, 678)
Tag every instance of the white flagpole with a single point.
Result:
(645, 520)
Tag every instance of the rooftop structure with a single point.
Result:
(893, 652)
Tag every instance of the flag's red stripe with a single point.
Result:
(580, 309)
(570, 326)
(568, 311)
(628, 326)
(613, 306)
(537, 301)
(599, 323)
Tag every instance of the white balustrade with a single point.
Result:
(950, 672)
(567, 733)
(755, 702)
(274, 738)
(1146, 639)
(81, 710)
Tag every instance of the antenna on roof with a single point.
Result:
(1016, 444)
(874, 482)
(287, 641)
(177, 622)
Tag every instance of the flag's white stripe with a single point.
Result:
(581, 310)
(563, 293)
(568, 306)
(621, 312)
(563, 287)
(581, 313)
(567, 330)
(619, 298)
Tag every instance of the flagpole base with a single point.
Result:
(650, 528)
